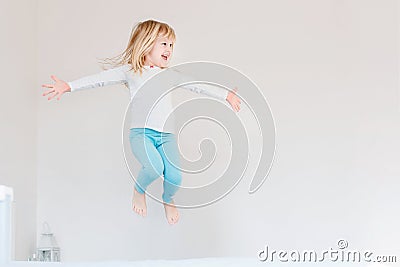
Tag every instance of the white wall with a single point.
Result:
(18, 116)
(329, 70)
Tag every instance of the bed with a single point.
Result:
(6, 198)
(203, 262)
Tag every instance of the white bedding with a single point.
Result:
(201, 262)
(5, 255)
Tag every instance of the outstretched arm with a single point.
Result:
(107, 77)
(216, 92)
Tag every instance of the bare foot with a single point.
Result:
(171, 212)
(139, 203)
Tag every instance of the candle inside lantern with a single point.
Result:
(48, 249)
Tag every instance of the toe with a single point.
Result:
(174, 219)
(137, 210)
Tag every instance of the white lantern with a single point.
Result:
(6, 198)
(48, 249)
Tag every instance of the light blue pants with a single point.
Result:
(158, 154)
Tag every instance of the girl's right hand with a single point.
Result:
(57, 89)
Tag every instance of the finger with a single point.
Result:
(48, 85)
(55, 78)
(59, 96)
(51, 97)
(48, 92)
(237, 107)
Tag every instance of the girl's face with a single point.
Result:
(161, 53)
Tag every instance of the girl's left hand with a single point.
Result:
(233, 99)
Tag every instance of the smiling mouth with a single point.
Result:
(164, 57)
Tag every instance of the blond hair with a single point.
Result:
(140, 43)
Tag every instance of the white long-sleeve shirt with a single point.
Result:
(157, 118)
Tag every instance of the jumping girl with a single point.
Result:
(149, 51)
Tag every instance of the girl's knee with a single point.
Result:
(154, 169)
(153, 172)
(174, 178)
